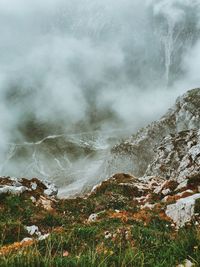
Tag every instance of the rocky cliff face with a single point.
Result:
(137, 152)
(177, 157)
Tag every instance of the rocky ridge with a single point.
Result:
(135, 154)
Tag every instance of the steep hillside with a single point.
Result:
(148, 218)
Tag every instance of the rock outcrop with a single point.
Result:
(165, 154)
(177, 157)
(136, 153)
(17, 186)
(40, 193)
(183, 210)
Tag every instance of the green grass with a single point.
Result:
(150, 248)
(131, 243)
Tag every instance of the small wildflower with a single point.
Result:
(127, 235)
(108, 235)
(65, 253)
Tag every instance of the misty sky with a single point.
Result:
(87, 64)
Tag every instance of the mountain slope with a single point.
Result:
(136, 153)
(151, 218)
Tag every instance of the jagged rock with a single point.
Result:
(177, 157)
(51, 190)
(136, 153)
(183, 210)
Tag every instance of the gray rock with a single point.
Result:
(15, 190)
(137, 152)
(51, 190)
(33, 230)
(34, 186)
(183, 210)
(177, 157)
(92, 218)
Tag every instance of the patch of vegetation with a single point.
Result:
(11, 231)
(87, 246)
(52, 220)
(17, 207)
(197, 206)
(115, 239)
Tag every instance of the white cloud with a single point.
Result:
(67, 58)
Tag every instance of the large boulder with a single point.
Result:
(183, 210)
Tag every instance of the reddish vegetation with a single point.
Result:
(15, 247)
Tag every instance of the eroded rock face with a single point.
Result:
(136, 153)
(187, 111)
(177, 157)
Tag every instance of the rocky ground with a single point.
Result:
(150, 219)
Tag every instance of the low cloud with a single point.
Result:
(83, 65)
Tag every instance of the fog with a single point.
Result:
(84, 65)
